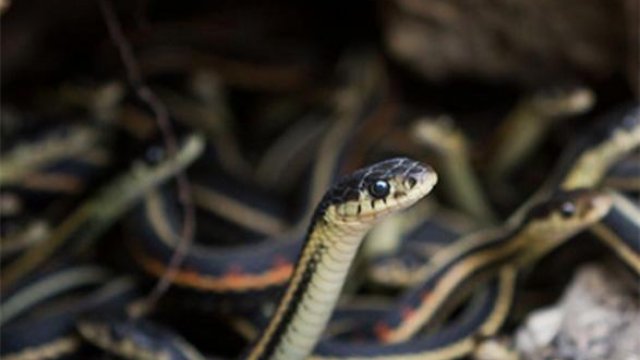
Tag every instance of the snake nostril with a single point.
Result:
(411, 182)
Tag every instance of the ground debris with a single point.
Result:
(597, 318)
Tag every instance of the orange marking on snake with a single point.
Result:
(281, 261)
(233, 281)
(234, 271)
(382, 331)
(407, 312)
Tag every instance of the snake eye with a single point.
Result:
(379, 189)
(567, 209)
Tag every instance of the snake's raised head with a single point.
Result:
(377, 190)
(568, 213)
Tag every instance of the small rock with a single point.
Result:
(597, 318)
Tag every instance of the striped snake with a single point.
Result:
(342, 218)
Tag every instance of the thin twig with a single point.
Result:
(161, 114)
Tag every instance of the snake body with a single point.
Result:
(135, 338)
(524, 128)
(454, 340)
(588, 159)
(51, 333)
(46, 171)
(625, 175)
(620, 230)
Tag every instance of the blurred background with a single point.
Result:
(240, 114)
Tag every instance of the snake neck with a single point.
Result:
(313, 290)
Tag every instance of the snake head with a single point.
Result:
(378, 190)
(564, 100)
(568, 213)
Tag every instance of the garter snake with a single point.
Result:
(342, 218)
(44, 328)
(625, 175)
(53, 284)
(586, 162)
(25, 161)
(452, 147)
(524, 128)
(436, 231)
(42, 174)
(584, 165)
(620, 230)
(451, 273)
(135, 339)
(101, 210)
